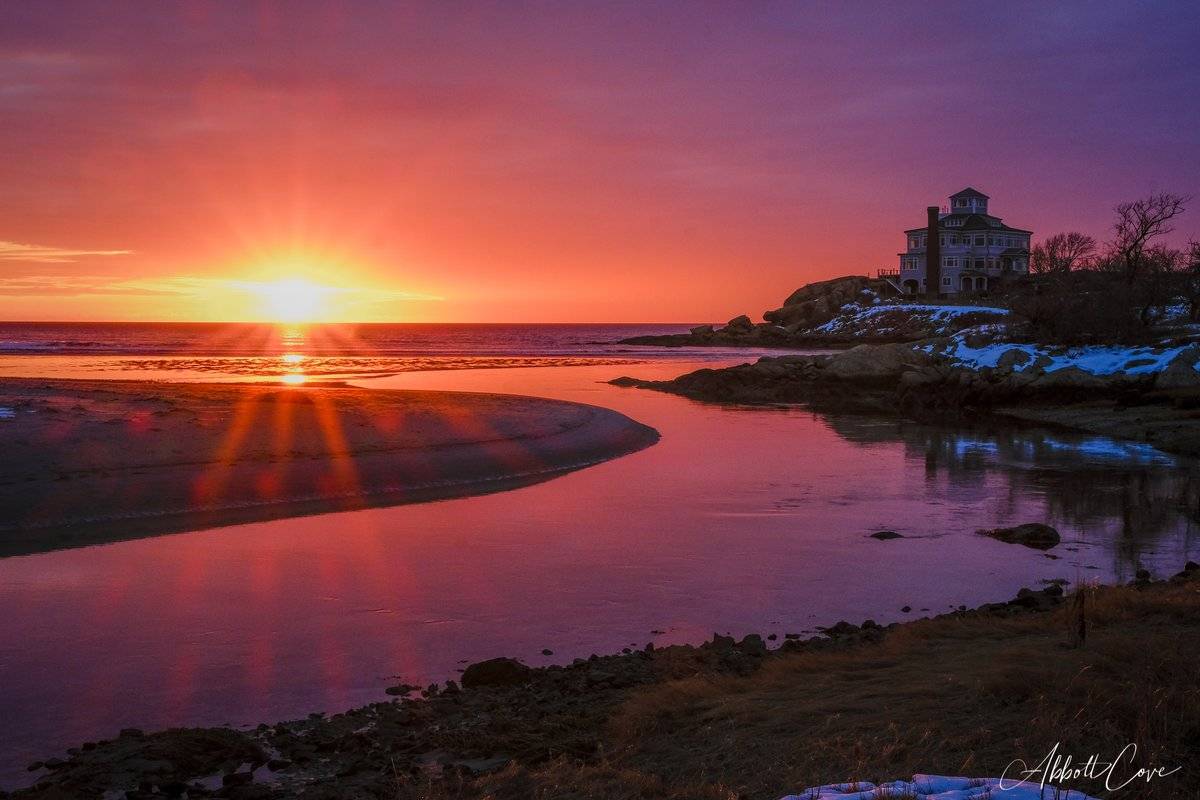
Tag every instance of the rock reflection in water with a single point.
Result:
(1128, 493)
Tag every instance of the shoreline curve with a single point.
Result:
(99, 461)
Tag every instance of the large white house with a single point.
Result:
(972, 249)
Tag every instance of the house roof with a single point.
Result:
(969, 192)
(972, 222)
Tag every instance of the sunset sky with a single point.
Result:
(556, 162)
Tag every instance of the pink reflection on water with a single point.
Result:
(737, 521)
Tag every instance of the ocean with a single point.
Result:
(360, 339)
(254, 351)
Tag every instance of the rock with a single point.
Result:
(702, 330)
(881, 362)
(772, 637)
(817, 303)
(1031, 534)
(173, 788)
(495, 672)
(401, 689)
(720, 643)
(1040, 601)
(546, 651)
(1011, 358)
(237, 778)
(482, 766)
(740, 323)
(752, 644)
(906, 609)
(842, 628)
(1069, 378)
(1181, 372)
(626, 381)
(883, 536)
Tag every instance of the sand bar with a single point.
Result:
(100, 461)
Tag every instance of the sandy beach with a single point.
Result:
(90, 462)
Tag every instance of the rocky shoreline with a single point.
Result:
(1149, 394)
(836, 313)
(502, 719)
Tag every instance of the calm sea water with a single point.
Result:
(738, 520)
(383, 339)
(202, 351)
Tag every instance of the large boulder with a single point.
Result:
(1181, 373)
(817, 303)
(495, 672)
(846, 287)
(740, 323)
(1070, 379)
(877, 362)
(1031, 534)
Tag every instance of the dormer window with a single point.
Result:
(960, 202)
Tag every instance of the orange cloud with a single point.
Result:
(42, 254)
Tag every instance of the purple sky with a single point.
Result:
(559, 161)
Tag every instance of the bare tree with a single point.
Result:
(1061, 253)
(1138, 224)
(1189, 279)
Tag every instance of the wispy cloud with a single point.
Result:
(73, 285)
(44, 254)
(51, 285)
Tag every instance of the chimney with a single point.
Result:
(933, 256)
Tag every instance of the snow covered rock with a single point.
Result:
(936, 787)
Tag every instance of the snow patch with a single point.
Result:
(857, 320)
(1095, 360)
(937, 787)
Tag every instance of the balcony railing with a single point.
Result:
(887, 273)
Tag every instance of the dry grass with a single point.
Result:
(953, 696)
(961, 695)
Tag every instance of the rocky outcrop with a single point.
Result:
(817, 303)
(930, 380)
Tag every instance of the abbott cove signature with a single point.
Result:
(1056, 768)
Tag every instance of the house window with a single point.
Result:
(960, 203)
(946, 281)
(979, 263)
(942, 241)
(979, 241)
(991, 241)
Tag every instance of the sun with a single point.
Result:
(293, 300)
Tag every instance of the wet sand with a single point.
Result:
(88, 462)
